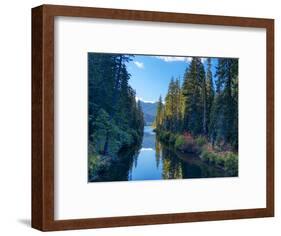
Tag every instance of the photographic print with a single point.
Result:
(162, 117)
(154, 117)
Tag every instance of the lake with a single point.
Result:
(155, 161)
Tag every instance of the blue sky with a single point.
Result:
(150, 75)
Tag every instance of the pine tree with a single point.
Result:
(170, 106)
(113, 102)
(210, 93)
(193, 100)
(224, 115)
(196, 108)
(178, 110)
(159, 114)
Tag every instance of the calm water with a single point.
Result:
(155, 160)
(147, 165)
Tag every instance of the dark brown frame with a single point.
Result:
(43, 117)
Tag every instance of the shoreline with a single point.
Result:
(226, 160)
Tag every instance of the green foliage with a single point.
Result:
(195, 107)
(115, 118)
(194, 94)
(172, 138)
(224, 115)
(167, 137)
(191, 116)
(158, 122)
(185, 143)
(209, 96)
(228, 161)
(201, 141)
(179, 144)
(93, 162)
(231, 164)
(208, 156)
(96, 164)
(169, 116)
(171, 169)
(220, 161)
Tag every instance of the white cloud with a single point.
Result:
(139, 64)
(172, 59)
(147, 149)
(146, 101)
(185, 59)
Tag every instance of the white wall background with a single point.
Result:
(15, 116)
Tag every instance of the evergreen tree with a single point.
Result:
(159, 114)
(170, 106)
(178, 110)
(115, 119)
(193, 97)
(210, 93)
(173, 106)
(197, 109)
(224, 117)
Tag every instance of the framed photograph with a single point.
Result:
(143, 117)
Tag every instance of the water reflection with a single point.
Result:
(155, 160)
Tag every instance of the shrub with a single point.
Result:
(208, 156)
(179, 142)
(172, 138)
(93, 164)
(201, 141)
(97, 164)
(212, 158)
(229, 161)
(189, 143)
(167, 137)
(204, 156)
(164, 135)
(231, 164)
(219, 161)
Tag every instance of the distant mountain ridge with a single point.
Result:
(149, 111)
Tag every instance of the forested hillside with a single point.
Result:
(115, 119)
(149, 111)
(202, 116)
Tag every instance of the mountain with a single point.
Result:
(149, 111)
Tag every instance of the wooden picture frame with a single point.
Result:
(43, 117)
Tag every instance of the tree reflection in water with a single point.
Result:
(155, 160)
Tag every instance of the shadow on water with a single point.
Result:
(184, 166)
(119, 169)
(154, 160)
